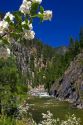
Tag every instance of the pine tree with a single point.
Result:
(81, 38)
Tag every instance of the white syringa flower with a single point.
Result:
(8, 38)
(25, 7)
(8, 51)
(47, 15)
(28, 24)
(23, 109)
(23, 23)
(37, 1)
(11, 16)
(29, 34)
(4, 24)
(3, 27)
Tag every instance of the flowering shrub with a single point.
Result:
(18, 25)
(49, 120)
(23, 110)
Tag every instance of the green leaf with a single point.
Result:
(41, 9)
(18, 17)
(34, 8)
(18, 13)
(31, 20)
(8, 19)
(25, 26)
(12, 26)
(5, 42)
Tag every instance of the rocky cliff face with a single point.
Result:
(70, 86)
(32, 58)
(28, 59)
(22, 56)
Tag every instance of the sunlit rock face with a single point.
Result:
(27, 59)
(22, 56)
(70, 86)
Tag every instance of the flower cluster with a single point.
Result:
(8, 51)
(72, 120)
(11, 16)
(25, 7)
(37, 1)
(19, 25)
(49, 120)
(47, 15)
(28, 34)
(4, 25)
(23, 109)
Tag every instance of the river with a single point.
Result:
(58, 108)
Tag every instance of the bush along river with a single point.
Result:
(60, 109)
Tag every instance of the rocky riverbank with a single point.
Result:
(39, 91)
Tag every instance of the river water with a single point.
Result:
(58, 108)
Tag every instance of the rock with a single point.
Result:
(80, 106)
(28, 59)
(70, 86)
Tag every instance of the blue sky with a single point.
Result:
(66, 22)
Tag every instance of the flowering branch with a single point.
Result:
(20, 23)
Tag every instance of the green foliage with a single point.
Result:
(34, 8)
(7, 121)
(41, 9)
(81, 38)
(11, 86)
(18, 16)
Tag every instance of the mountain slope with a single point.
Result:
(61, 50)
(39, 63)
(70, 86)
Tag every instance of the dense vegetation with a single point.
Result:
(11, 85)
